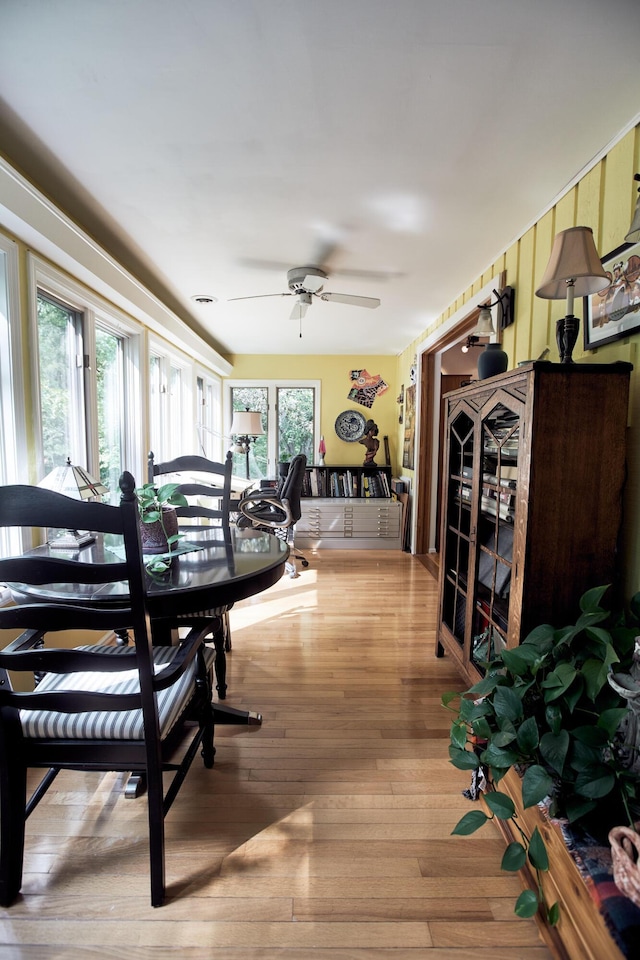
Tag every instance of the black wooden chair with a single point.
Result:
(207, 486)
(278, 511)
(99, 707)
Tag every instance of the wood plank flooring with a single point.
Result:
(324, 834)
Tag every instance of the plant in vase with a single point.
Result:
(159, 522)
(547, 709)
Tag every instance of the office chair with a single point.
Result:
(279, 511)
(202, 480)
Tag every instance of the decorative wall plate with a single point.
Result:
(350, 425)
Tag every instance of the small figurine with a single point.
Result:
(371, 442)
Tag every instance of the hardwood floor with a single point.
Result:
(324, 834)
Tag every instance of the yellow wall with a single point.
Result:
(333, 372)
(604, 199)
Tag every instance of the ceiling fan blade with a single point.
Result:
(369, 274)
(260, 296)
(371, 302)
(323, 251)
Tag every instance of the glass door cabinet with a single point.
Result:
(525, 528)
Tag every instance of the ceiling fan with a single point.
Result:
(307, 282)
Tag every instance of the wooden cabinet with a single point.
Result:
(534, 470)
(349, 507)
(355, 523)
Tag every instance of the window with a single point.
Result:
(13, 456)
(209, 417)
(87, 383)
(290, 418)
(172, 420)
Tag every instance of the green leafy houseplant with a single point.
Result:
(154, 506)
(546, 709)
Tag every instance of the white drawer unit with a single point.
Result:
(358, 523)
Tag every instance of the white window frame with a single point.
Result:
(272, 386)
(211, 442)
(13, 433)
(44, 277)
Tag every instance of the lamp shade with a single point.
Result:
(634, 230)
(573, 258)
(484, 327)
(74, 482)
(246, 423)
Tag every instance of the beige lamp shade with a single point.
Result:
(573, 258)
(246, 423)
(634, 230)
(74, 482)
(484, 327)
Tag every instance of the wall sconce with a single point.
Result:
(574, 270)
(74, 482)
(634, 230)
(246, 427)
(505, 302)
(471, 341)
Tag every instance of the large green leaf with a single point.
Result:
(486, 685)
(515, 662)
(470, 823)
(528, 736)
(542, 638)
(610, 719)
(553, 715)
(500, 804)
(554, 749)
(495, 757)
(537, 852)
(576, 807)
(595, 782)
(458, 734)
(507, 703)
(536, 785)
(558, 681)
(590, 600)
(527, 904)
(594, 673)
(515, 857)
(591, 735)
(470, 710)
(481, 728)
(463, 759)
(504, 737)
(553, 914)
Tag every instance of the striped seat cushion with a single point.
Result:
(105, 725)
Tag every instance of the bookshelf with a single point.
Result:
(347, 482)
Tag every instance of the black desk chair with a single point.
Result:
(99, 707)
(207, 486)
(278, 511)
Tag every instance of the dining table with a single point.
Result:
(211, 569)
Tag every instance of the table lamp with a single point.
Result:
(574, 270)
(246, 427)
(75, 482)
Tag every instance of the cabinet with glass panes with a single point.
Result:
(533, 475)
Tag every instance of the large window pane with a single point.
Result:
(110, 398)
(295, 422)
(61, 394)
(256, 466)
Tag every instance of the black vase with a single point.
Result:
(491, 361)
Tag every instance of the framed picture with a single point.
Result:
(615, 312)
(409, 426)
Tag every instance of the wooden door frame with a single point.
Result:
(428, 400)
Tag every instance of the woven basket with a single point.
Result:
(625, 853)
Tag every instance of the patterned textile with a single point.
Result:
(621, 915)
(120, 725)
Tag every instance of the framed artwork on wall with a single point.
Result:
(615, 312)
(409, 427)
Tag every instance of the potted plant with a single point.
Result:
(546, 708)
(158, 521)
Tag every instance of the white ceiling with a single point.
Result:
(422, 137)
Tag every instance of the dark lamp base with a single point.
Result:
(566, 336)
